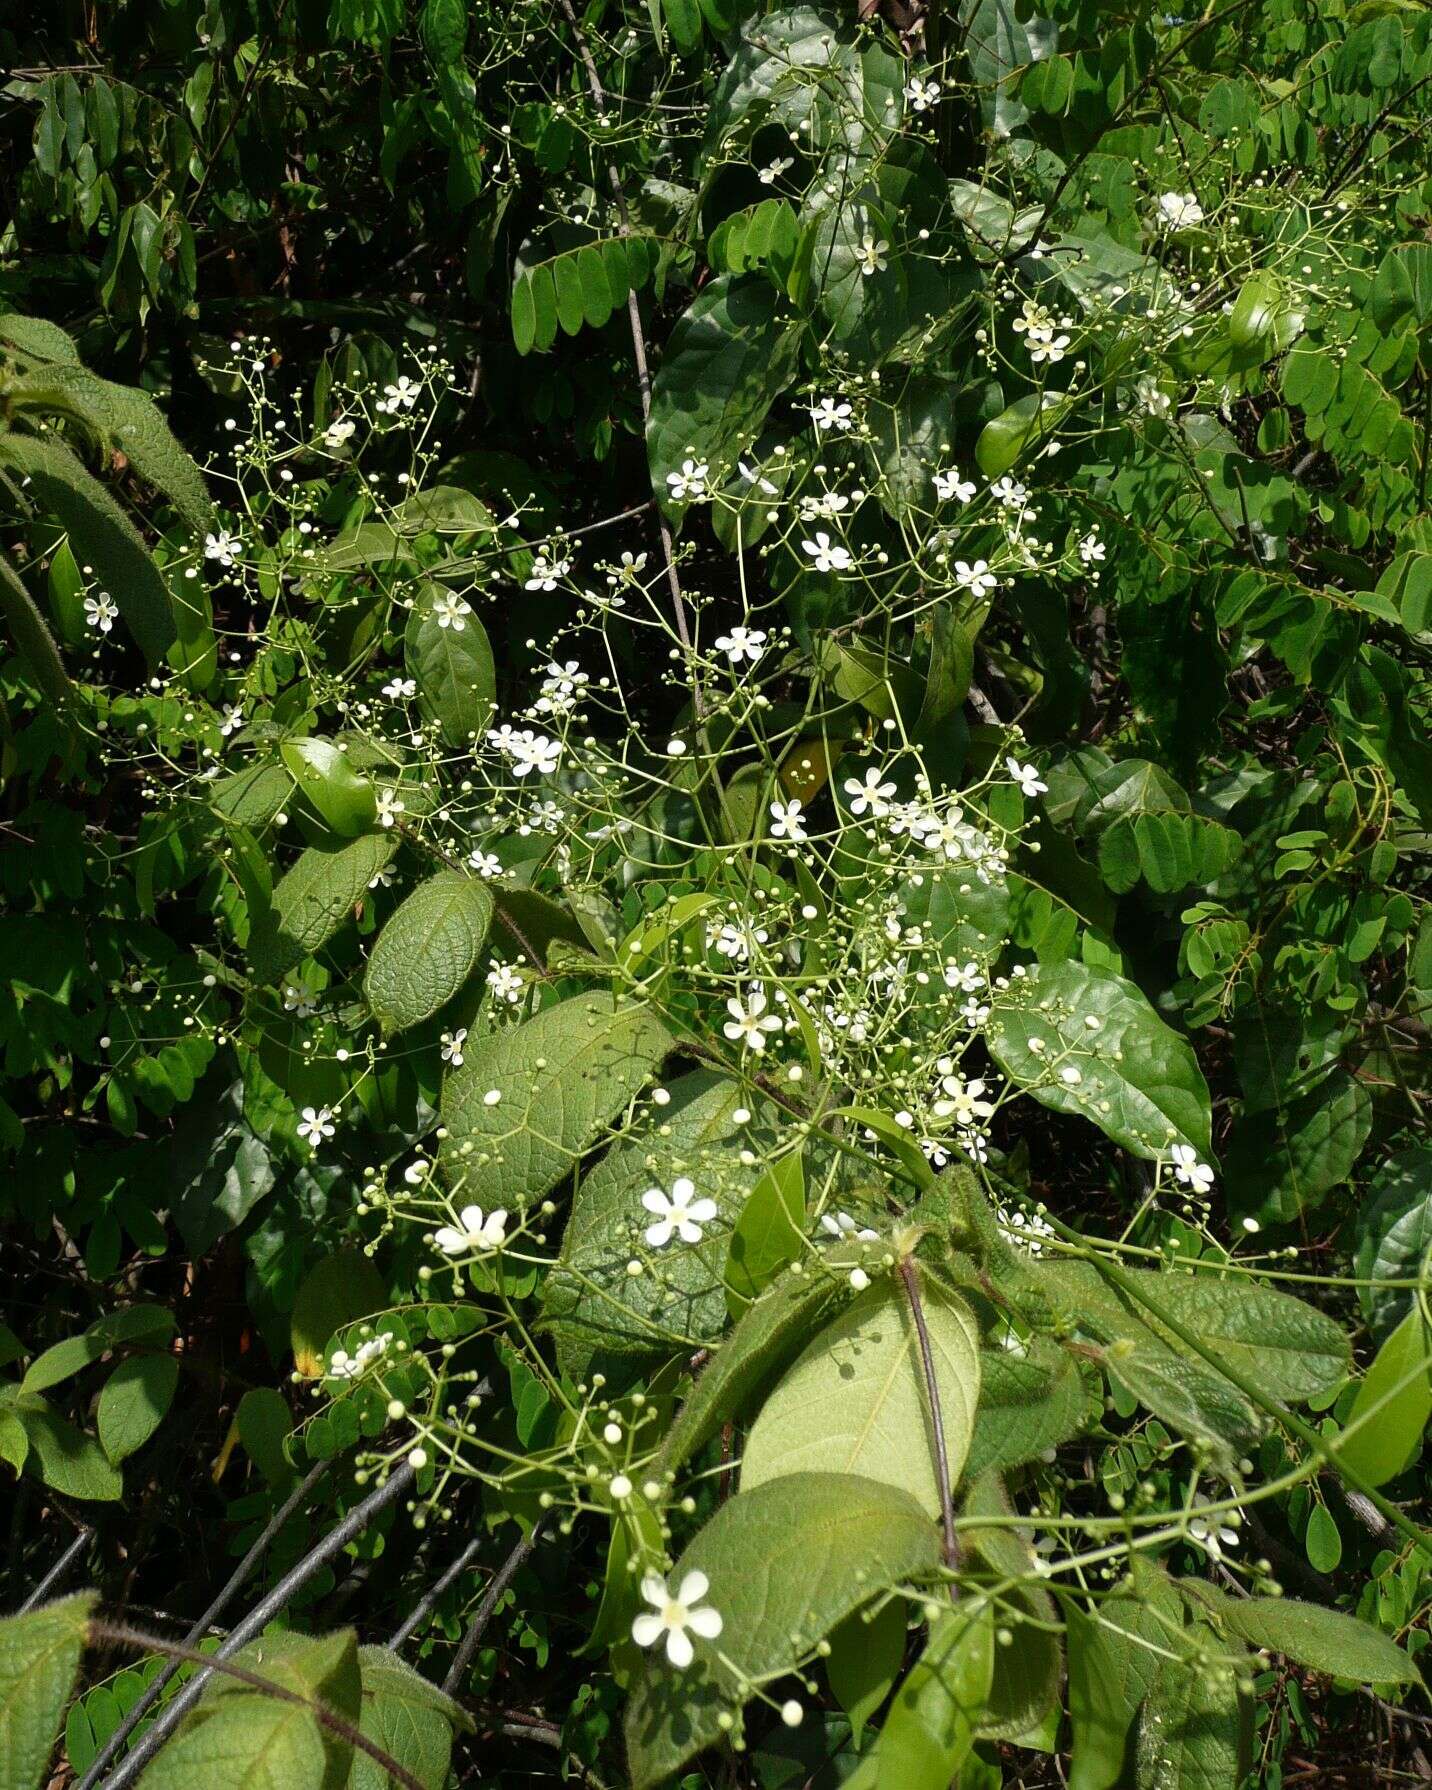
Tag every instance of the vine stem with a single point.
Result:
(150, 1695)
(638, 343)
(503, 1577)
(57, 1571)
(910, 1279)
(327, 1717)
(253, 1625)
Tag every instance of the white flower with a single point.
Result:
(1091, 548)
(825, 556)
(403, 395)
(963, 1101)
(1025, 1229)
(772, 171)
(754, 476)
(841, 1224)
(535, 752)
(688, 485)
(562, 687)
(1150, 397)
(546, 572)
(823, 506)
(742, 643)
(922, 95)
(1009, 493)
(450, 611)
(400, 688)
(485, 863)
(300, 999)
(1180, 211)
(383, 879)
(473, 1232)
(1189, 1171)
(338, 432)
(976, 578)
(950, 484)
(870, 256)
(1051, 349)
(101, 612)
(344, 1366)
(736, 941)
(629, 570)
(390, 806)
(315, 1125)
(222, 547)
(506, 983)
(452, 1043)
(1027, 777)
(750, 1023)
(786, 822)
(832, 413)
(672, 1616)
(1213, 1534)
(677, 1214)
(968, 978)
(869, 793)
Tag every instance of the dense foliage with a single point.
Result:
(716, 962)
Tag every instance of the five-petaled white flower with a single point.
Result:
(950, 484)
(535, 752)
(390, 806)
(870, 256)
(742, 643)
(473, 1231)
(773, 170)
(231, 719)
(315, 1125)
(222, 547)
(1189, 1171)
(300, 999)
(403, 395)
(677, 1213)
(826, 556)
(962, 1100)
(787, 821)
(452, 1043)
(688, 485)
(832, 413)
(1009, 493)
(507, 984)
(1213, 1533)
(750, 1023)
(451, 611)
(398, 689)
(1027, 777)
(869, 792)
(339, 432)
(485, 863)
(922, 95)
(976, 578)
(101, 612)
(1180, 211)
(1091, 548)
(628, 570)
(545, 572)
(672, 1616)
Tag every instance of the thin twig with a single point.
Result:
(57, 1571)
(322, 1713)
(910, 1276)
(353, 1525)
(504, 1576)
(198, 1629)
(413, 1622)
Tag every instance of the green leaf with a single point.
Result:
(1384, 1429)
(1018, 432)
(1323, 1640)
(68, 1461)
(1026, 1686)
(1321, 1541)
(313, 899)
(559, 1077)
(39, 1659)
(1114, 1653)
(410, 1719)
(867, 1651)
(67, 1358)
(341, 1288)
(1394, 1231)
(1028, 1403)
(453, 669)
(930, 1729)
(32, 638)
(240, 1738)
(727, 360)
(997, 43)
(591, 1304)
(37, 339)
(219, 1167)
(428, 950)
(770, 1233)
(322, 772)
(1282, 1164)
(264, 1423)
(785, 1563)
(855, 1400)
(1188, 1394)
(100, 534)
(766, 1338)
(1190, 1728)
(133, 1401)
(1127, 1072)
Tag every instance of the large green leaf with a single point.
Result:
(410, 1719)
(313, 899)
(453, 669)
(323, 773)
(64, 1359)
(1114, 1653)
(1191, 1733)
(65, 1458)
(1028, 1403)
(558, 1079)
(1323, 1640)
(39, 1657)
(784, 1563)
(32, 638)
(1281, 1164)
(1389, 1416)
(856, 1402)
(100, 534)
(428, 950)
(1085, 1041)
(728, 359)
(931, 1726)
(1394, 1234)
(133, 1401)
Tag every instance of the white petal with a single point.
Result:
(703, 1211)
(688, 1232)
(678, 1648)
(659, 1235)
(470, 1218)
(682, 1188)
(449, 1241)
(655, 1200)
(653, 1589)
(645, 1629)
(705, 1622)
(692, 1589)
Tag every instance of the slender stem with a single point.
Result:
(57, 1571)
(910, 1277)
(150, 1695)
(322, 1713)
(357, 1520)
(504, 1576)
(414, 1621)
